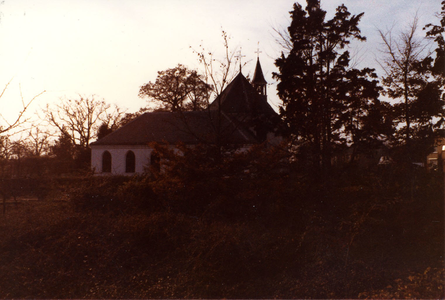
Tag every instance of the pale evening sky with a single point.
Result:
(109, 48)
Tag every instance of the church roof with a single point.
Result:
(240, 97)
(258, 77)
(192, 127)
(239, 101)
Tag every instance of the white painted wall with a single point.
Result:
(118, 154)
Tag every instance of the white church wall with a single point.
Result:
(142, 158)
(118, 158)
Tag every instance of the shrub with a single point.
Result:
(137, 193)
(98, 193)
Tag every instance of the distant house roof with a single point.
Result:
(192, 127)
(240, 97)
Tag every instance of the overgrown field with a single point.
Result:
(234, 237)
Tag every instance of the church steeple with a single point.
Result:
(258, 81)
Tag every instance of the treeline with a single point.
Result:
(329, 106)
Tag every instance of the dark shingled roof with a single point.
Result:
(239, 103)
(240, 97)
(193, 127)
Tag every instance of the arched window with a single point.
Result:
(106, 162)
(130, 162)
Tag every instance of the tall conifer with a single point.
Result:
(325, 102)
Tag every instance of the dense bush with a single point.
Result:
(97, 193)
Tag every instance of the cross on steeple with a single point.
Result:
(258, 81)
(240, 56)
(258, 51)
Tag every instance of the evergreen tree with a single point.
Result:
(64, 152)
(63, 149)
(438, 67)
(438, 32)
(103, 131)
(325, 102)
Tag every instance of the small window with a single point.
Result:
(130, 162)
(106, 162)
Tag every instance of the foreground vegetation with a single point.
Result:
(193, 233)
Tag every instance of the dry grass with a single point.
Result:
(261, 240)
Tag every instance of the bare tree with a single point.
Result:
(283, 39)
(38, 141)
(218, 73)
(81, 118)
(9, 149)
(19, 120)
(408, 79)
(402, 78)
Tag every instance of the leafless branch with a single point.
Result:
(81, 117)
(19, 119)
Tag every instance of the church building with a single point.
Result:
(239, 117)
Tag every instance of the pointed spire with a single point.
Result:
(258, 77)
(258, 81)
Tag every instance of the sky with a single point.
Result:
(109, 48)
